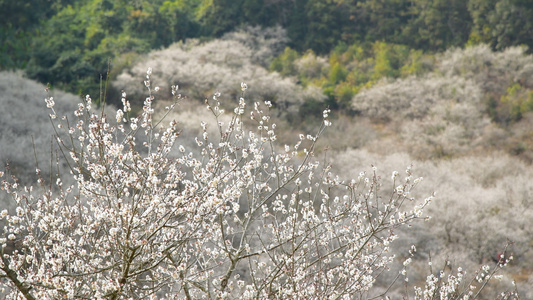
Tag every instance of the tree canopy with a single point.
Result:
(70, 43)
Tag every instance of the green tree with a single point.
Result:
(502, 23)
(388, 60)
(325, 21)
(337, 73)
(56, 56)
(417, 63)
(20, 22)
(179, 18)
(437, 24)
(514, 104)
(221, 16)
(296, 24)
(384, 19)
(74, 47)
(284, 63)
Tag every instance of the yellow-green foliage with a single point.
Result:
(350, 68)
(516, 102)
(284, 63)
(417, 63)
(337, 74)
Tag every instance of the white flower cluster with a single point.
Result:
(236, 217)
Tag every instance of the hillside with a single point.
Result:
(439, 122)
(441, 88)
(72, 43)
(464, 125)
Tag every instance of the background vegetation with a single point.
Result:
(71, 43)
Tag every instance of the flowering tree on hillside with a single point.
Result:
(238, 216)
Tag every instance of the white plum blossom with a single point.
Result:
(237, 217)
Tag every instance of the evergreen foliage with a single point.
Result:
(81, 37)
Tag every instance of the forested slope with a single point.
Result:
(72, 43)
(490, 188)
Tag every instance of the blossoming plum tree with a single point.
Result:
(237, 217)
